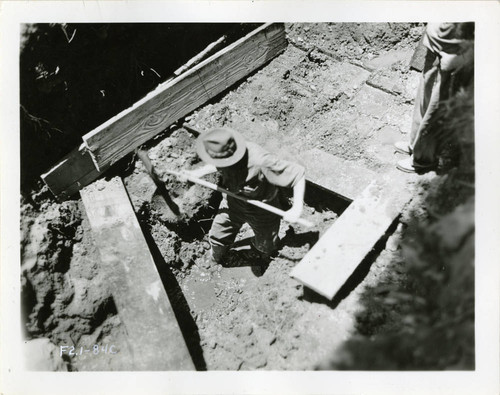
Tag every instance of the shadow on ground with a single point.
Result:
(419, 312)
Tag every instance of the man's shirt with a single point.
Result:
(265, 172)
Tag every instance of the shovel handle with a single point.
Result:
(143, 156)
(256, 203)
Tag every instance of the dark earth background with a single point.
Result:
(409, 307)
(76, 76)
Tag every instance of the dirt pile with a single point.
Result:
(251, 317)
(178, 236)
(360, 41)
(64, 297)
(46, 250)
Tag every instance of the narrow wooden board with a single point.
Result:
(177, 98)
(332, 260)
(143, 305)
(340, 176)
(75, 171)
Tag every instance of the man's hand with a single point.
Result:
(454, 62)
(184, 176)
(295, 212)
(293, 215)
(196, 173)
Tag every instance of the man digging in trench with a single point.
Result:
(250, 171)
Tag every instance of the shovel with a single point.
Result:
(161, 189)
(256, 203)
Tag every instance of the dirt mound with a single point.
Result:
(359, 41)
(59, 272)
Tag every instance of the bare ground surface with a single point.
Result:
(351, 96)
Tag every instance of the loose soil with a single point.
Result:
(343, 88)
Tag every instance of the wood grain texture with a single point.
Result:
(333, 259)
(75, 171)
(177, 98)
(156, 111)
(143, 305)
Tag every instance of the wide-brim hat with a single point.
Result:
(221, 147)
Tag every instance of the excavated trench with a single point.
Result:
(65, 297)
(190, 286)
(194, 232)
(236, 316)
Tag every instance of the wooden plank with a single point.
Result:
(338, 175)
(332, 260)
(209, 49)
(75, 171)
(143, 305)
(177, 98)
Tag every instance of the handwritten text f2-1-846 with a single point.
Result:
(95, 349)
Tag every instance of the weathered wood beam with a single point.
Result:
(75, 171)
(142, 303)
(333, 259)
(177, 98)
(209, 49)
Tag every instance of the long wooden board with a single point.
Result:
(177, 98)
(332, 260)
(143, 305)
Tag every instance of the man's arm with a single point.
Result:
(295, 211)
(454, 62)
(197, 173)
(202, 171)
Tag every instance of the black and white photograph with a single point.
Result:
(198, 195)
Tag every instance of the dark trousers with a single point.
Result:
(230, 218)
(435, 86)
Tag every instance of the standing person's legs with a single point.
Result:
(424, 140)
(225, 227)
(424, 94)
(422, 102)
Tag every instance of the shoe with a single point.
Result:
(249, 255)
(408, 166)
(402, 147)
(259, 270)
(207, 261)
